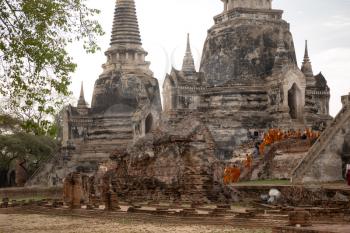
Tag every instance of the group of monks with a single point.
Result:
(277, 135)
(232, 174)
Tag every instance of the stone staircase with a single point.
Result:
(320, 145)
(260, 165)
(105, 135)
(248, 174)
(297, 124)
(261, 168)
(116, 127)
(44, 170)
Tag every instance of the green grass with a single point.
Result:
(264, 182)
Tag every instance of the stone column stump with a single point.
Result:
(111, 201)
(72, 190)
(76, 191)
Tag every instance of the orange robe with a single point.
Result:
(248, 162)
(236, 173)
(232, 175)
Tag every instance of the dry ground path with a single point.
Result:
(47, 223)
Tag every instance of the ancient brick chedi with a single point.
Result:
(126, 101)
(248, 78)
(125, 105)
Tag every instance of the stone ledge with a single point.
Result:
(314, 229)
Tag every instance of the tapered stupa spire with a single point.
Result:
(188, 62)
(306, 54)
(126, 50)
(125, 24)
(81, 102)
(306, 68)
(126, 69)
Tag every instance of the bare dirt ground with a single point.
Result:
(25, 223)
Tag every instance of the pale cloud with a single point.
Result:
(338, 22)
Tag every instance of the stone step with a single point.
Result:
(111, 131)
(86, 157)
(103, 142)
(111, 137)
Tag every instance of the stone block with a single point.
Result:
(188, 212)
(302, 218)
(5, 202)
(111, 201)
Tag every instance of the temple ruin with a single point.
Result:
(248, 82)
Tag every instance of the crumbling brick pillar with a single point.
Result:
(111, 201)
(109, 197)
(76, 191)
(67, 190)
(93, 199)
(72, 190)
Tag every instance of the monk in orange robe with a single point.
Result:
(236, 173)
(299, 134)
(262, 148)
(231, 175)
(227, 177)
(248, 162)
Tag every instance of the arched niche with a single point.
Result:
(295, 102)
(148, 123)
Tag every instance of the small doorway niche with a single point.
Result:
(294, 102)
(148, 123)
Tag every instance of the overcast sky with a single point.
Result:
(165, 23)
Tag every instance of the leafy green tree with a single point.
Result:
(21, 148)
(8, 124)
(35, 66)
(29, 150)
(31, 120)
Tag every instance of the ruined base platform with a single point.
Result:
(319, 228)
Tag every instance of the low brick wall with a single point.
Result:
(293, 195)
(296, 230)
(13, 193)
